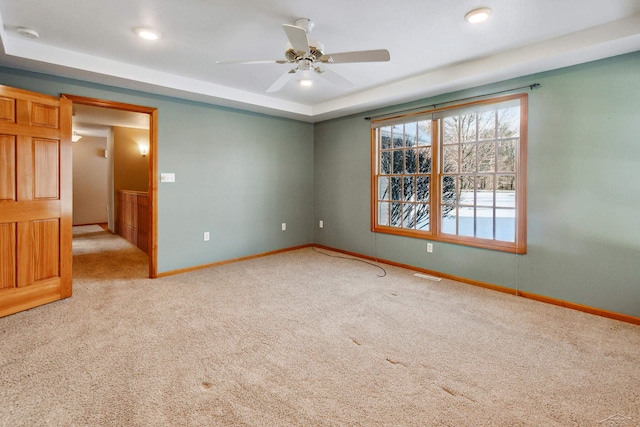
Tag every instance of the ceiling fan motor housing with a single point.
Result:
(314, 52)
(305, 23)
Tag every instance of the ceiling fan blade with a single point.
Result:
(283, 80)
(333, 77)
(378, 55)
(266, 61)
(297, 37)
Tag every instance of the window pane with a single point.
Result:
(506, 225)
(484, 190)
(423, 189)
(450, 159)
(506, 182)
(449, 220)
(398, 135)
(450, 130)
(509, 122)
(396, 215)
(424, 159)
(467, 125)
(385, 138)
(383, 188)
(385, 162)
(424, 132)
(398, 162)
(484, 223)
(410, 134)
(410, 161)
(422, 217)
(467, 190)
(449, 191)
(468, 158)
(466, 221)
(487, 125)
(507, 155)
(409, 219)
(396, 188)
(409, 189)
(383, 213)
(506, 199)
(505, 193)
(486, 157)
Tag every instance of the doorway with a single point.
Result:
(147, 240)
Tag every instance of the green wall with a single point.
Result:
(583, 195)
(239, 175)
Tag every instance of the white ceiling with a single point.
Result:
(433, 49)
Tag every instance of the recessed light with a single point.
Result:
(478, 15)
(147, 34)
(305, 82)
(28, 32)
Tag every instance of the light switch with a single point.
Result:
(167, 177)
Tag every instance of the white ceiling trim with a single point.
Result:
(27, 49)
(613, 38)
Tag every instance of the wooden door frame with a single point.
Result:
(153, 164)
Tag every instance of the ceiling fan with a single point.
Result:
(307, 54)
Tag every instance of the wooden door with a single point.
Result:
(35, 199)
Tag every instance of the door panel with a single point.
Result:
(7, 256)
(45, 235)
(44, 115)
(7, 167)
(7, 109)
(46, 178)
(35, 199)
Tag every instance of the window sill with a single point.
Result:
(513, 248)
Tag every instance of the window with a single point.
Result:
(454, 174)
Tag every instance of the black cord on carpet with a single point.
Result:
(353, 259)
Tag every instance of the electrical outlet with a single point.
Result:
(321, 224)
(430, 247)
(284, 226)
(206, 236)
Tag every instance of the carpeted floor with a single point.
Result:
(81, 230)
(303, 339)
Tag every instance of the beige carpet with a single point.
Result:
(302, 339)
(79, 230)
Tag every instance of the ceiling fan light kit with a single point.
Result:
(307, 55)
